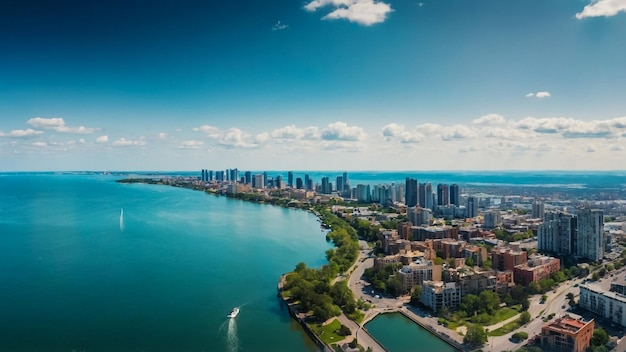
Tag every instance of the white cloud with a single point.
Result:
(602, 8)
(262, 138)
(457, 132)
(489, 119)
(123, 142)
(293, 132)
(571, 128)
(40, 144)
(191, 144)
(211, 131)
(507, 133)
(397, 131)
(365, 12)
(393, 130)
(21, 133)
(58, 124)
(235, 138)
(102, 139)
(340, 131)
(279, 26)
(539, 95)
(161, 136)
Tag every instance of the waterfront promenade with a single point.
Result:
(363, 290)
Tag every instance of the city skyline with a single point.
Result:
(313, 85)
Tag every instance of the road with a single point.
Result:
(362, 336)
(538, 311)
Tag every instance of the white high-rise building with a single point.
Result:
(590, 240)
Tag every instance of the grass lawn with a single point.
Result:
(501, 314)
(328, 333)
(507, 328)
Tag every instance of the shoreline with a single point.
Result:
(292, 310)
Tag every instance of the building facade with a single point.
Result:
(609, 305)
(437, 294)
(590, 240)
(567, 334)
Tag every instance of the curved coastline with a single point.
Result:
(292, 308)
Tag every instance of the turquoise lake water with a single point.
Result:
(75, 275)
(400, 334)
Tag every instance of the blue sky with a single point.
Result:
(314, 84)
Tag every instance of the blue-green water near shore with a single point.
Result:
(76, 275)
(400, 334)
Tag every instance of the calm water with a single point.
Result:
(399, 334)
(75, 275)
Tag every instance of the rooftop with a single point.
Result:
(568, 324)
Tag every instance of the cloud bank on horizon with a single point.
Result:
(548, 141)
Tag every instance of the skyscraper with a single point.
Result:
(454, 195)
(443, 194)
(430, 199)
(290, 179)
(472, 207)
(410, 192)
(299, 183)
(558, 233)
(538, 209)
(326, 187)
(248, 176)
(590, 242)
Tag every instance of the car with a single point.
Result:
(563, 306)
(576, 285)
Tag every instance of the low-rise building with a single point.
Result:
(437, 294)
(507, 258)
(417, 273)
(567, 334)
(608, 304)
(536, 269)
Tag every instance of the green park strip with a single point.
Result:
(507, 328)
(328, 333)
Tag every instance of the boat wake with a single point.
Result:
(232, 340)
(122, 220)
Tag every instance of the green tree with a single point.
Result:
(595, 276)
(570, 296)
(487, 264)
(451, 262)
(519, 336)
(599, 338)
(344, 330)
(470, 262)
(416, 294)
(524, 318)
(475, 336)
(438, 261)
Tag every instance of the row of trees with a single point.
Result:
(313, 288)
(385, 279)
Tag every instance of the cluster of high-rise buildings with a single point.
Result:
(580, 234)
(263, 180)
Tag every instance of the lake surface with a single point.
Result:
(76, 274)
(400, 334)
